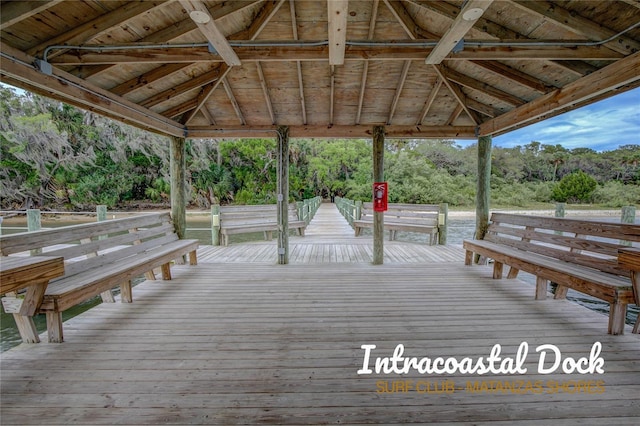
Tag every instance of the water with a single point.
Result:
(459, 228)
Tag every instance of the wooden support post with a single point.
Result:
(177, 167)
(215, 225)
(101, 212)
(283, 195)
(178, 188)
(378, 176)
(443, 223)
(358, 210)
(628, 216)
(483, 193)
(560, 209)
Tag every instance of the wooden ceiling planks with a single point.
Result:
(373, 84)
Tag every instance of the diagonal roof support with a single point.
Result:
(294, 27)
(12, 12)
(365, 69)
(204, 94)
(457, 93)
(203, 19)
(469, 15)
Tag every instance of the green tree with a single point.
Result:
(576, 187)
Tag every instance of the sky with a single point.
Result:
(602, 126)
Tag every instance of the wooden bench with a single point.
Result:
(421, 218)
(259, 218)
(100, 256)
(577, 254)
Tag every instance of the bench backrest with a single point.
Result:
(253, 214)
(584, 242)
(423, 214)
(91, 244)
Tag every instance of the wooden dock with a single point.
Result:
(231, 342)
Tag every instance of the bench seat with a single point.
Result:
(109, 254)
(578, 255)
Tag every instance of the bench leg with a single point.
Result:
(636, 328)
(26, 328)
(497, 270)
(193, 258)
(54, 327)
(107, 297)
(126, 295)
(151, 276)
(561, 292)
(357, 231)
(166, 271)
(513, 273)
(617, 314)
(541, 288)
(468, 258)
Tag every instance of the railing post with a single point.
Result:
(34, 223)
(358, 210)
(628, 216)
(101, 213)
(443, 223)
(215, 225)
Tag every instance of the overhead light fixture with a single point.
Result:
(472, 14)
(199, 17)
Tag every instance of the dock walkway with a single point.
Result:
(330, 239)
(232, 342)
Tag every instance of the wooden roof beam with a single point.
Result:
(16, 11)
(319, 53)
(469, 15)
(457, 93)
(265, 92)
(580, 25)
(332, 88)
(427, 105)
(205, 93)
(294, 28)
(336, 131)
(407, 22)
(205, 22)
(400, 86)
(147, 78)
(365, 68)
(337, 11)
(483, 87)
(454, 115)
(261, 19)
(201, 80)
(234, 102)
(207, 114)
(515, 75)
(594, 86)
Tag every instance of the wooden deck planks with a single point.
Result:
(272, 344)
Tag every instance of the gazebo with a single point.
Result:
(347, 69)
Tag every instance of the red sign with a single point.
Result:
(380, 191)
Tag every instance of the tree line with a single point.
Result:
(56, 156)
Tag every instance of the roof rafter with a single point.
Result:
(457, 93)
(337, 11)
(621, 73)
(432, 97)
(204, 94)
(579, 25)
(469, 15)
(365, 69)
(407, 22)
(12, 12)
(332, 84)
(147, 78)
(265, 91)
(515, 75)
(483, 87)
(294, 26)
(234, 102)
(454, 115)
(205, 78)
(210, 30)
(400, 86)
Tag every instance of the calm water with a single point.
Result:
(459, 229)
